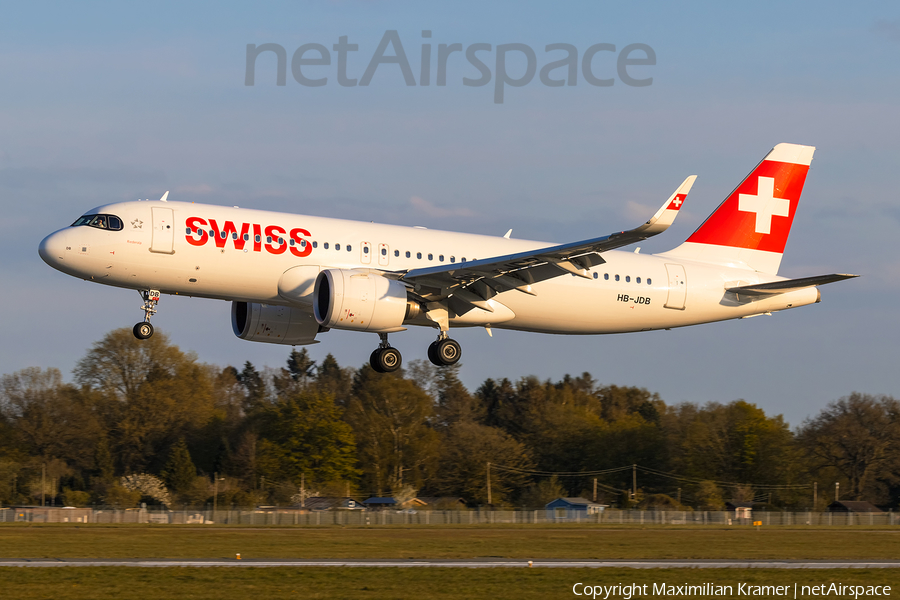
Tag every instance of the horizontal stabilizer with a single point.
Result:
(787, 285)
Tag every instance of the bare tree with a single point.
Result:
(859, 436)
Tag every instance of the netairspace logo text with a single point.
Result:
(627, 591)
(599, 65)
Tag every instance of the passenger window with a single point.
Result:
(246, 237)
(291, 242)
(649, 281)
(315, 244)
(224, 235)
(365, 249)
(189, 231)
(606, 276)
(617, 277)
(431, 257)
(419, 255)
(234, 235)
(638, 280)
(349, 248)
(441, 258)
(337, 246)
(384, 251)
(453, 259)
(325, 245)
(596, 275)
(407, 254)
(463, 259)
(396, 253)
(628, 279)
(257, 238)
(268, 239)
(302, 243)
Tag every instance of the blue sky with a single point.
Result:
(104, 102)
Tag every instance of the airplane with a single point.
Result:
(292, 277)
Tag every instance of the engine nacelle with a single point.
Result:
(361, 301)
(273, 324)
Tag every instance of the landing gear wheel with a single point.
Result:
(375, 360)
(385, 360)
(143, 331)
(390, 359)
(444, 352)
(431, 353)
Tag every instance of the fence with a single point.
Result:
(288, 516)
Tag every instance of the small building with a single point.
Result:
(853, 506)
(442, 502)
(742, 510)
(316, 503)
(572, 508)
(380, 503)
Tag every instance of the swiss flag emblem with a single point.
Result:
(677, 201)
(759, 213)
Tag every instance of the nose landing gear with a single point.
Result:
(385, 358)
(144, 329)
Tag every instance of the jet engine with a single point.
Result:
(361, 301)
(273, 324)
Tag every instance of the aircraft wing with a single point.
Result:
(477, 281)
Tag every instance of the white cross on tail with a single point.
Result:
(764, 204)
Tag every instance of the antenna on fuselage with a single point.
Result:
(164, 196)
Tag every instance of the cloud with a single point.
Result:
(426, 207)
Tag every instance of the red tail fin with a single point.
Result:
(752, 225)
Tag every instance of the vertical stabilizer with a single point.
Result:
(750, 228)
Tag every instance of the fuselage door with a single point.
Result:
(163, 230)
(384, 253)
(677, 286)
(365, 249)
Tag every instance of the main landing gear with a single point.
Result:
(444, 351)
(144, 329)
(386, 359)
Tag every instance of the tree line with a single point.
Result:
(143, 421)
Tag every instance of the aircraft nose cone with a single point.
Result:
(52, 249)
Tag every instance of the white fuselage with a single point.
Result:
(154, 250)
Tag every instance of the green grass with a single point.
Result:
(148, 541)
(97, 583)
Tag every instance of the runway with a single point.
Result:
(475, 563)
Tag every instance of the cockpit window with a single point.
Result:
(110, 222)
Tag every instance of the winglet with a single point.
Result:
(665, 216)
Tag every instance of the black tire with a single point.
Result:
(375, 360)
(448, 352)
(432, 353)
(143, 330)
(390, 360)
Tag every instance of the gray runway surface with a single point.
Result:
(475, 563)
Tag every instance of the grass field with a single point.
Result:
(148, 541)
(88, 583)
